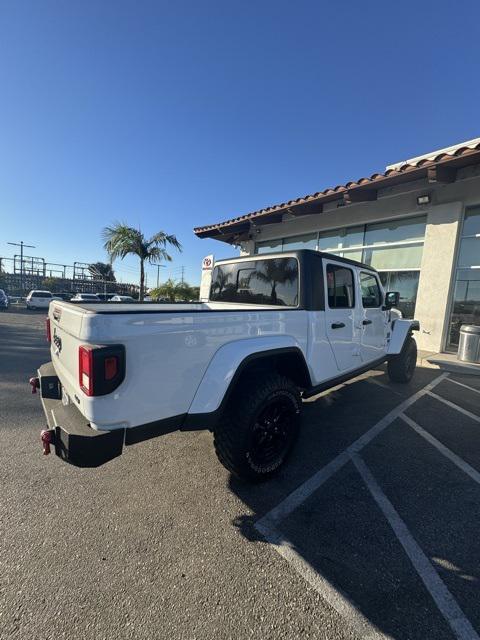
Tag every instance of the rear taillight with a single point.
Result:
(85, 370)
(100, 369)
(48, 330)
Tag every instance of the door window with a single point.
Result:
(340, 287)
(371, 295)
(406, 283)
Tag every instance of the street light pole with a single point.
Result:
(21, 245)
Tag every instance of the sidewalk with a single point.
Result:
(446, 362)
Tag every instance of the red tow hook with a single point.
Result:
(35, 384)
(47, 437)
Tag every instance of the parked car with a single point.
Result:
(63, 295)
(105, 297)
(3, 300)
(277, 328)
(118, 298)
(85, 297)
(37, 299)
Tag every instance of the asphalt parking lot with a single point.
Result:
(372, 530)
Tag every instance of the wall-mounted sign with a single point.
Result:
(207, 266)
(207, 262)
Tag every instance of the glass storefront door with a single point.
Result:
(466, 304)
(466, 296)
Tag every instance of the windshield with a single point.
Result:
(271, 281)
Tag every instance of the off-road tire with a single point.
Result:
(238, 431)
(402, 367)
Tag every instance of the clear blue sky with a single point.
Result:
(172, 114)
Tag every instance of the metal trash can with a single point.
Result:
(469, 345)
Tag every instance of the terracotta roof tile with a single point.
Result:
(389, 176)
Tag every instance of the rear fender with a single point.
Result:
(226, 363)
(401, 329)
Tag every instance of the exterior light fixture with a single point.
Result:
(423, 199)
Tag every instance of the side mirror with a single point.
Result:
(392, 298)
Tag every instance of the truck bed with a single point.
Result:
(166, 307)
(168, 350)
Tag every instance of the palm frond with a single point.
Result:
(120, 240)
(162, 239)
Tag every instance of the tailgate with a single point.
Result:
(66, 331)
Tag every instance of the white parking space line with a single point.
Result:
(454, 406)
(442, 597)
(297, 497)
(267, 526)
(461, 464)
(461, 384)
(337, 600)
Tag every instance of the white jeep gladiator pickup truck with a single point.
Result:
(277, 328)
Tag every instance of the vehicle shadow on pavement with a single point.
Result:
(340, 532)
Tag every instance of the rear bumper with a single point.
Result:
(74, 440)
(77, 443)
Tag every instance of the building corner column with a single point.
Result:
(437, 273)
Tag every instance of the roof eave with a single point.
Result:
(440, 169)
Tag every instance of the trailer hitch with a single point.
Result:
(35, 384)
(48, 437)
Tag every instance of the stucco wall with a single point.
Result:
(436, 274)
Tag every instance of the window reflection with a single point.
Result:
(406, 283)
(272, 282)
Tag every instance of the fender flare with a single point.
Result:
(229, 362)
(401, 330)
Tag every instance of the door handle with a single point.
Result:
(367, 322)
(337, 325)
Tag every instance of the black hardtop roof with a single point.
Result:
(296, 252)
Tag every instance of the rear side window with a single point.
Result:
(273, 281)
(371, 295)
(340, 287)
(41, 294)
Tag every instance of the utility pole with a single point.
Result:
(21, 245)
(183, 274)
(158, 272)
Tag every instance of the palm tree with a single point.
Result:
(276, 271)
(102, 270)
(173, 291)
(121, 240)
(221, 280)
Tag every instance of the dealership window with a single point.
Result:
(269, 247)
(394, 248)
(308, 241)
(466, 295)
